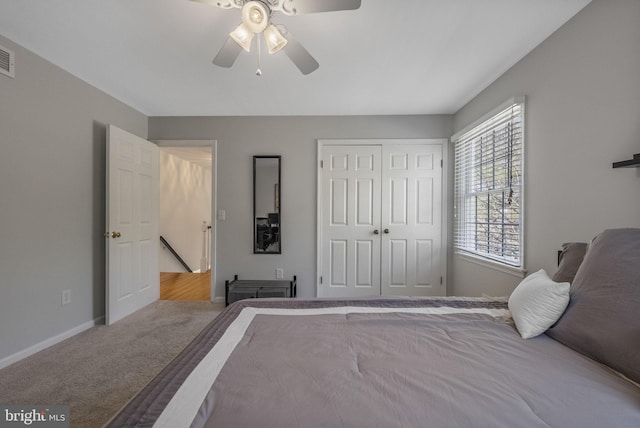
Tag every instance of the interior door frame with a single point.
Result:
(214, 200)
(443, 142)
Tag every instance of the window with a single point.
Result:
(488, 187)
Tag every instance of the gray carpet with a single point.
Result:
(97, 371)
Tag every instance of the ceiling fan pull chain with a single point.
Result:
(258, 71)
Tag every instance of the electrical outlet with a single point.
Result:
(279, 273)
(66, 297)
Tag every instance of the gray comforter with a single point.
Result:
(379, 363)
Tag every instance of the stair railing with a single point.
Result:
(175, 254)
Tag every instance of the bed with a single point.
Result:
(416, 362)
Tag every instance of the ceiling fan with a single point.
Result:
(256, 19)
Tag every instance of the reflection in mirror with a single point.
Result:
(266, 205)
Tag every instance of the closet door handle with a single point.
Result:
(376, 232)
(386, 231)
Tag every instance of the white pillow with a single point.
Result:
(537, 303)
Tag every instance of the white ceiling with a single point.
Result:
(201, 156)
(388, 57)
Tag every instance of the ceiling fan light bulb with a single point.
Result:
(274, 38)
(242, 36)
(255, 16)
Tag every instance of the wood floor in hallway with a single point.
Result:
(185, 286)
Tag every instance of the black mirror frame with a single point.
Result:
(278, 202)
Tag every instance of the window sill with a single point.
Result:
(511, 270)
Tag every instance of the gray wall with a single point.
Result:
(52, 144)
(295, 138)
(582, 113)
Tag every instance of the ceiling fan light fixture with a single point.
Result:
(256, 18)
(255, 15)
(274, 38)
(242, 36)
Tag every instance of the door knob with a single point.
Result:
(386, 231)
(376, 232)
(115, 234)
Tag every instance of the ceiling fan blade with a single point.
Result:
(316, 6)
(300, 56)
(228, 54)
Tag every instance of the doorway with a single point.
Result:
(381, 228)
(186, 203)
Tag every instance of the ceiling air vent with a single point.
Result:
(6, 62)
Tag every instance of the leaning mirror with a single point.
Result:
(266, 205)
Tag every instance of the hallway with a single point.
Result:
(185, 286)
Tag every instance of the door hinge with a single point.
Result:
(320, 280)
(440, 280)
(441, 163)
(321, 164)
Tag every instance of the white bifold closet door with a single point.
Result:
(380, 209)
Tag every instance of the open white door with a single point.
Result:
(133, 280)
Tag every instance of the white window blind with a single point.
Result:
(488, 188)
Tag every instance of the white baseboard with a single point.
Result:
(7, 361)
(218, 299)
